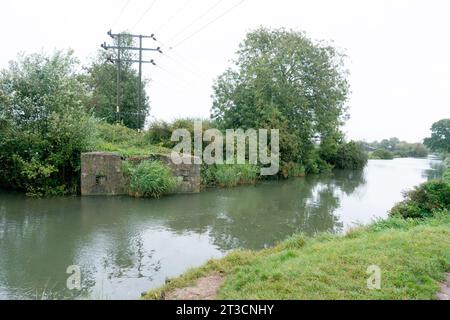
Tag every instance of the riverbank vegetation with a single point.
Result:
(413, 256)
(125, 141)
(282, 79)
(440, 137)
(389, 149)
(381, 154)
(228, 176)
(149, 179)
(52, 109)
(411, 248)
(43, 126)
(424, 200)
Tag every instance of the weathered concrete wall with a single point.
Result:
(101, 174)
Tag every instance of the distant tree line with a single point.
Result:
(389, 149)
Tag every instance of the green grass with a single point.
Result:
(230, 175)
(124, 141)
(150, 179)
(128, 151)
(413, 256)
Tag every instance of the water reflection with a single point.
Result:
(125, 246)
(436, 171)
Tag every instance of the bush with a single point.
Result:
(228, 176)
(150, 179)
(424, 201)
(118, 134)
(292, 169)
(248, 173)
(43, 125)
(350, 156)
(125, 141)
(159, 133)
(446, 176)
(382, 154)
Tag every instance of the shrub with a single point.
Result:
(125, 141)
(248, 173)
(424, 200)
(44, 127)
(350, 156)
(382, 154)
(228, 176)
(118, 134)
(150, 179)
(159, 133)
(292, 169)
(446, 176)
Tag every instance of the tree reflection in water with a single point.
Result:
(119, 242)
(257, 217)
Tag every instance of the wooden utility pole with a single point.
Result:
(119, 60)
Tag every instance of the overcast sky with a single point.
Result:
(399, 50)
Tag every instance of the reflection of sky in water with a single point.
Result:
(126, 246)
(385, 183)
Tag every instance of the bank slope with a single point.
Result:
(413, 256)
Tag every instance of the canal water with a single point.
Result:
(125, 246)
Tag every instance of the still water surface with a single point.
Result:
(125, 246)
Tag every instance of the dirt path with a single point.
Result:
(444, 294)
(205, 288)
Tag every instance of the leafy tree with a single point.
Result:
(382, 154)
(418, 151)
(43, 124)
(440, 136)
(393, 147)
(350, 156)
(285, 81)
(101, 79)
(390, 144)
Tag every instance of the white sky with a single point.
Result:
(399, 50)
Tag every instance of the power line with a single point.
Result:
(184, 65)
(121, 13)
(204, 14)
(181, 9)
(144, 14)
(194, 72)
(119, 60)
(181, 81)
(209, 23)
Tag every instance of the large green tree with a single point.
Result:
(440, 136)
(283, 80)
(43, 124)
(102, 82)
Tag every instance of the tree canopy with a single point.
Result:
(101, 79)
(283, 80)
(43, 123)
(440, 136)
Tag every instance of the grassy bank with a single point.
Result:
(411, 247)
(413, 256)
(124, 141)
